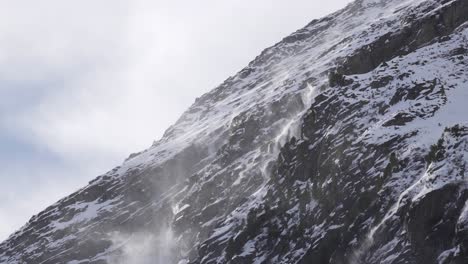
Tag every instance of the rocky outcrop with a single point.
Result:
(347, 142)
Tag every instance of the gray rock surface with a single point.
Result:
(346, 142)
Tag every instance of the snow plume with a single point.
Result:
(144, 247)
(292, 126)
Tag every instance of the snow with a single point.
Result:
(89, 211)
(198, 126)
(215, 115)
(248, 248)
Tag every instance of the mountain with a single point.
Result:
(346, 142)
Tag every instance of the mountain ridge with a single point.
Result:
(325, 148)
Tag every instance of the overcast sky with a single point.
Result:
(85, 83)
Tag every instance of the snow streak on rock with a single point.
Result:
(347, 142)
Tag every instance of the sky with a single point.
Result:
(85, 83)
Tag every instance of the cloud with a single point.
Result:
(85, 83)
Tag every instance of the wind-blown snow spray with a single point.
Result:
(159, 246)
(370, 237)
(292, 126)
(144, 247)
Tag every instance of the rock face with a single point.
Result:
(347, 142)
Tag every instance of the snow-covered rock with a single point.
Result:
(346, 142)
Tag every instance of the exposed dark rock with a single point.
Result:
(399, 119)
(280, 165)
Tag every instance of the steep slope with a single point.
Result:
(347, 142)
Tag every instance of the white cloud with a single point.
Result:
(89, 82)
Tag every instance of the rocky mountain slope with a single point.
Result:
(346, 142)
